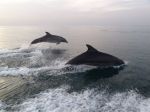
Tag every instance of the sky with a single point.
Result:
(74, 12)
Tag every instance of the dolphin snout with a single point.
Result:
(65, 41)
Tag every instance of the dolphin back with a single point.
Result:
(50, 38)
(37, 41)
(95, 58)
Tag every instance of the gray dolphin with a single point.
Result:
(95, 58)
(50, 38)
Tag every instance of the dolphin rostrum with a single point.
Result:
(95, 58)
(50, 38)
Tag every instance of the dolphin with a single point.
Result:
(94, 57)
(49, 38)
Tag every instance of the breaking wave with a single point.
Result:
(2, 106)
(59, 100)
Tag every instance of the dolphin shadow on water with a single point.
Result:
(50, 38)
(58, 51)
(100, 73)
(80, 81)
(54, 54)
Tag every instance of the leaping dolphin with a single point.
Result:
(50, 38)
(95, 58)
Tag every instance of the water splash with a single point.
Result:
(56, 100)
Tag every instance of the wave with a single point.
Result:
(56, 100)
(51, 62)
(33, 61)
(2, 107)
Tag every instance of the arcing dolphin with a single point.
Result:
(50, 38)
(95, 58)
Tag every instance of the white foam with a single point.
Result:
(24, 46)
(22, 71)
(126, 62)
(32, 61)
(26, 62)
(78, 68)
(2, 107)
(59, 100)
(119, 66)
(57, 67)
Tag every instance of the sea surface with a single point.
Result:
(36, 79)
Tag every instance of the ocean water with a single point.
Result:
(36, 79)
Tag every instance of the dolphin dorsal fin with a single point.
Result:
(47, 33)
(91, 49)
